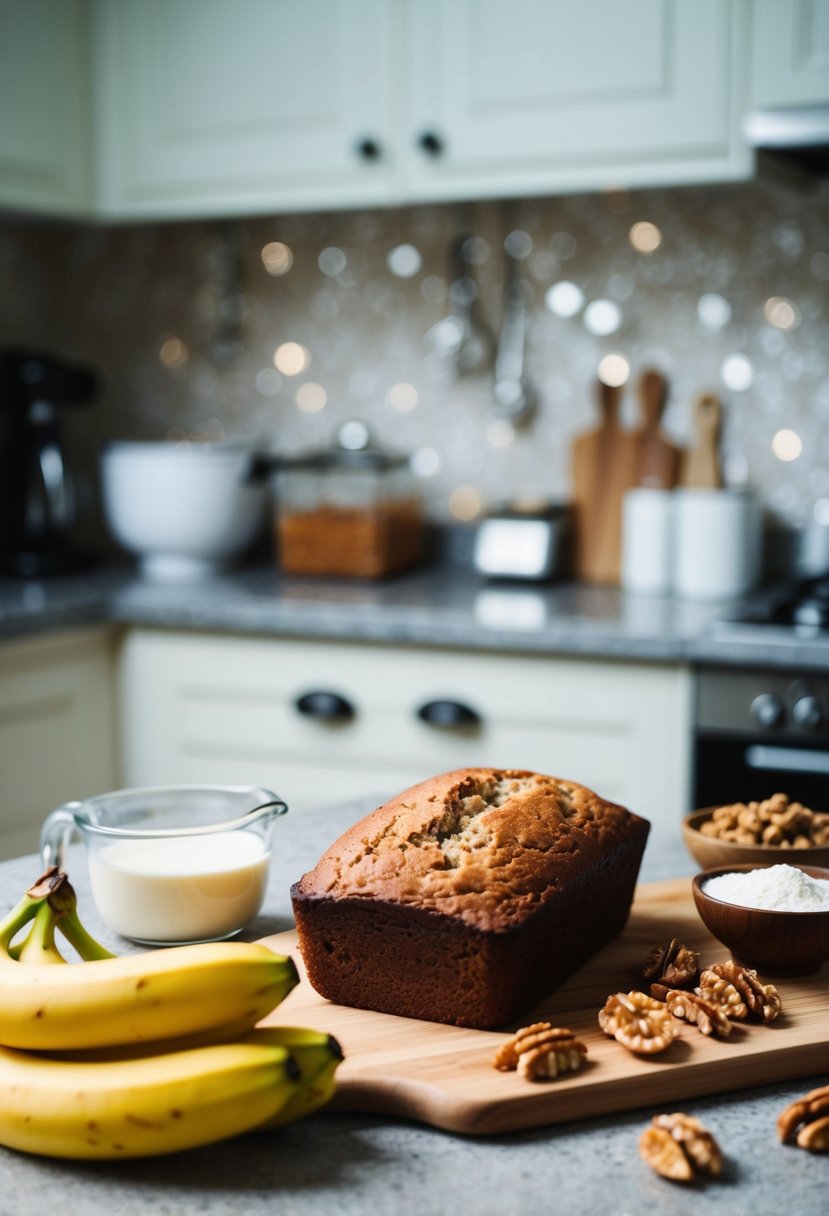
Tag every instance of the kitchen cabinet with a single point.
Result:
(548, 96)
(791, 53)
(278, 106)
(45, 163)
(186, 108)
(214, 708)
(206, 107)
(56, 729)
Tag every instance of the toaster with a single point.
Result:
(529, 545)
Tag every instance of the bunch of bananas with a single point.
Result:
(147, 1054)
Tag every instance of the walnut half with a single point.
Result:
(806, 1121)
(762, 1000)
(638, 1022)
(677, 1146)
(541, 1052)
(672, 964)
(720, 992)
(690, 1007)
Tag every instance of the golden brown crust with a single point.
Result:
(483, 845)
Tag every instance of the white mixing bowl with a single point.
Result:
(185, 510)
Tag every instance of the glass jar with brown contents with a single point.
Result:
(348, 511)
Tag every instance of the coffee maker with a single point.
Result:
(37, 498)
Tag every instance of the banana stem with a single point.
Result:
(52, 898)
(20, 915)
(73, 930)
(39, 947)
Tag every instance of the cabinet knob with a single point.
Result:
(809, 712)
(325, 706)
(369, 149)
(430, 143)
(767, 710)
(448, 714)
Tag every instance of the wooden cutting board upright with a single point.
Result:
(443, 1075)
(701, 467)
(603, 468)
(657, 458)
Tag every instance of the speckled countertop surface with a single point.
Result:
(350, 1165)
(434, 606)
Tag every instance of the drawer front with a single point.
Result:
(231, 704)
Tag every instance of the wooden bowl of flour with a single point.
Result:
(772, 942)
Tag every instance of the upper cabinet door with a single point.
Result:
(791, 53)
(44, 106)
(207, 107)
(550, 94)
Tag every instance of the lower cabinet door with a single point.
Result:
(56, 730)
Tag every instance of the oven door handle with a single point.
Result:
(787, 759)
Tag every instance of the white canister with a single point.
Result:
(647, 541)
(717, 543)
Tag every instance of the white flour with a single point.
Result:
(778, 888)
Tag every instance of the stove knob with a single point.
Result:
(809, 712)
(767, 710)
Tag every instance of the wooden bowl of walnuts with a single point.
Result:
(763, 832)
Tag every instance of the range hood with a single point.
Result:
(794, 137)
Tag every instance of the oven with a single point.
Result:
(759, 732)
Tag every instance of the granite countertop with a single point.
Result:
(432, 606)
(347, 1165)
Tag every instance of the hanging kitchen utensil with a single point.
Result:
(657, 459)
(603, 463)
(701, 468)
(227, 344)
(515, 397)
(463, 336)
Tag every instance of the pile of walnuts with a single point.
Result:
(775, 821)
(710, 999)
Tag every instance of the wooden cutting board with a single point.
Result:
(443, 1076)
(701, 464)
(657, 458)
(603, 469)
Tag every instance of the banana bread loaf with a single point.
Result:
(469, 897)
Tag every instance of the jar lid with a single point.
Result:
(354, 451)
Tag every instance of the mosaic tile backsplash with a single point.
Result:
(281, 329)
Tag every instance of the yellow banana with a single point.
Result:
(318, 1056)
(162, 994)
(140, 998)
(142, 1106)
(144, 1097)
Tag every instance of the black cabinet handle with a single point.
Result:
(369, 149)
(324, 706)
(448, 714)
(430, 143)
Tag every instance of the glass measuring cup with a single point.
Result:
(171, 864)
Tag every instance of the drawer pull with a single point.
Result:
(430, 143)
(448, 714)
(369, 149)
(325, 706)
